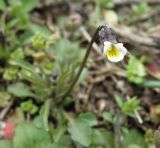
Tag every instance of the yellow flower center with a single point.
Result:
(113, 52)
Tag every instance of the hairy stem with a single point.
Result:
(117, 131)
(83, 62)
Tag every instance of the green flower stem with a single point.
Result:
(83, 62)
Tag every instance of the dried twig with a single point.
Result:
(144, 17)
(5, 110)
(135, 38)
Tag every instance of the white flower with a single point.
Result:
(114, 52)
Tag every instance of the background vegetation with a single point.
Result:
(42, 45)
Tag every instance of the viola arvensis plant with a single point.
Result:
(115, 52)
(113, 49)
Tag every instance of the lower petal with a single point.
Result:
(115, 58)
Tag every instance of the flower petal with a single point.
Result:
(107, 46)
(116, 58)
(106, 43)
(114, 54)
(122, 49)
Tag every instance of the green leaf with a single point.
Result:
(42, 93)
(62, 78)
(44, 114)
(89, 118)
(151, 84)
(58, 133)
(2, 5)
(20, 16)
(28, 5)
(119, 101)
(141, 9)
(40, 29)
(83, 76)
(108, 117)
(63, 54)
(98, 138)
(20, 90)
(55, 145)
(38, 41)
(103, 137)
(18, 54)
(5, 144)
(27, 66)
(14, 2)
(136, 70)
(37, 81)
(29, 107)
(29, 136)
(64, 141)
(10, 73)
(80, 131)
(130, 106)
(38, 122)
(26, 38)
(134, 137)
(24, 65)
(105, 3)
